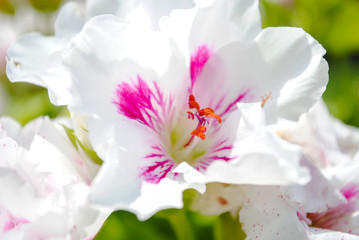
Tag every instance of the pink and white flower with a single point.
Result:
(162, 117)
(44, 184)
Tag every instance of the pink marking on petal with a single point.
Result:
(79, 161)
(350, 191)
(232, 104)
(8, 226)
(156, 148)
(155, 155)
(220, 158)
(13, 222)
(334, 217)
(224, 148)
(329, 219)
(198, 60)
(156, 172)
(159, 166)
(138, 102)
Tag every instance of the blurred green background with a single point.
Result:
(334, 23)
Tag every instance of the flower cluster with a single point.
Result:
(172, 96)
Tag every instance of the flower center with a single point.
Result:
(202, 116)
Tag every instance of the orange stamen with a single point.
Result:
(208, 112)
(265, 98)
(198, 133)
(192, 103)
(202, 113)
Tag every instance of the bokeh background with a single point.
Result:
(334, 23)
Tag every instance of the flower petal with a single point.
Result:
(322, 234)
(300, 60)
(287, 76)
(219, 198)
(29, 59)
(318, 195)
(215, 24)
(225, 21)
(267, 216)
(257, 154)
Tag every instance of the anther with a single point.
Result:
(265, 98)
(201, 115)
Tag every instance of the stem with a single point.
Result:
(228, 227)
(181, 225)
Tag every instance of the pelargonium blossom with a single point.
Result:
(44, 184)
(162, 117)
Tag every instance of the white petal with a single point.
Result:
(149, 49)
(322, 234)
(260, 157)
(51, 225)
(15, 192)
(119, 185)
(219, 198)
(9, 127)
(116, 187)
(192, 177)
(216, 24)
(292, 72)
(137, 11)
(298, 59)
(155, 197)
(27, 58)
(224, 22)
(267, 216)
(318, 195)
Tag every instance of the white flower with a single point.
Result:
(164, 119)
(44, 184)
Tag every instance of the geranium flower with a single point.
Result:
(44, 184)
(161, 117)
